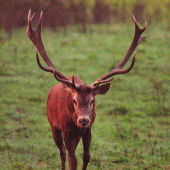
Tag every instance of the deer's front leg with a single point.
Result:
(86, 143)
(71, 143)
(59, 142)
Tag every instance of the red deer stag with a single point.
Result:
(71, 104)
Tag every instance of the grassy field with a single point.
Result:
(131, 130)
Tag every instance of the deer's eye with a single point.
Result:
(74, 101)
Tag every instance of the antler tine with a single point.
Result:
(74, 84)
(136, 41)
(118, 71)
(35, 37)
(96, 83)
(40, 65)
(68, 82)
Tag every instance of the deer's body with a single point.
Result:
(63, 120)
(71, 104)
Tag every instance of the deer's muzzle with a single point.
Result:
(83, 121)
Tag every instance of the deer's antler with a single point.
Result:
(117, 70)
(35, 37)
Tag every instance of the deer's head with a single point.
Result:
(81, 101)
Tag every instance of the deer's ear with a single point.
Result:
(102, 89)
(69, 88)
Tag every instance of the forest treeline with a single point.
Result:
(62, 13)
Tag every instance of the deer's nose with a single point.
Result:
(84, 122)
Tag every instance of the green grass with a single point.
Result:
(131, 130)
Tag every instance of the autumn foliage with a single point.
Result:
(62, 13)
